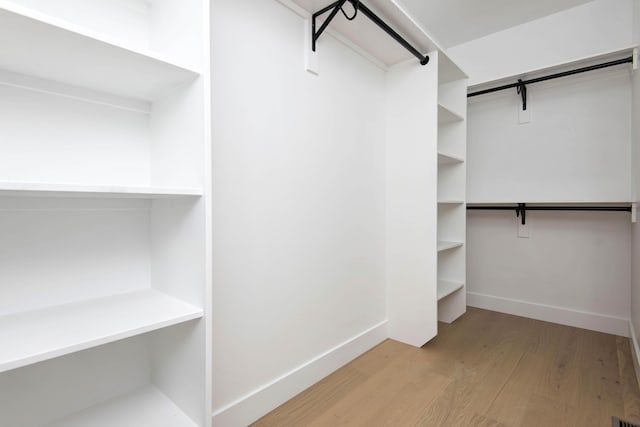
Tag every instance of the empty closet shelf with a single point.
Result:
(33, 336)
(444, 245)
(446, 115)
(144, 407)
(448, 159)
(30, 189)
(35, 44)
(446, 288)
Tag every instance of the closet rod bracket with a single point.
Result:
(521, 210)
(358, 7)
(521, 89)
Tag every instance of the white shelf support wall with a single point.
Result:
(412, 164)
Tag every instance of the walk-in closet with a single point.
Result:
(319, 212)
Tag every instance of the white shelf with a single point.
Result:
(450, 202)
(33, 336)
(34, 189)
(445, 115)
(446, 288)
(444, 246)
(582, 61)
(39, 45)
(448, 159)
(145, 407)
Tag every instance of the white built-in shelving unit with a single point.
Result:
(452, 110)
(426, 210)
(104, 213)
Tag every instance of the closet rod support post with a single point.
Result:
(335, 8)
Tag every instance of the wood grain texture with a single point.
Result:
(485, 369)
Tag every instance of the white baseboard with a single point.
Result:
(635, 351)
(268, 397)
(548, 313)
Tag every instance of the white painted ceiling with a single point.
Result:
(453, 22)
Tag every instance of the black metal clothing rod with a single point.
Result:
(553, 208)
(387, 29)
(522, 208)
(359, 7)
(553, 76)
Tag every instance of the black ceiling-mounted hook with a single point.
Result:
(521, 211)
(522, 91)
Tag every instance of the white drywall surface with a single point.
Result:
(635, 262)
(574, 261)
(299, 217)
(575, 149)
(593, 28)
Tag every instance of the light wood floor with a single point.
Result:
(485, 369)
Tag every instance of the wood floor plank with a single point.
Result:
(545, 411)
(598, 394)
(313, 402)
(557, 347)
(409, 406)
(381, 356)
(485, 369)
(630, 390)
(375, 393)
(510, 404)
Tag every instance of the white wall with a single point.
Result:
(635, 241)
(575, 267)
(299, 215)
(593, 28)
(575, 149)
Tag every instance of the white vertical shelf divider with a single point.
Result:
(452, 111)
(426, 209)
(105, 213)
(411, 201)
